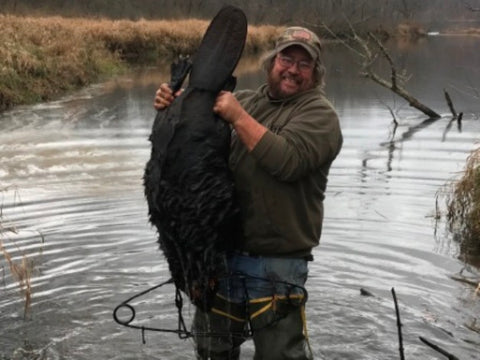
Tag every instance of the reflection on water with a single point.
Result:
(75, 169)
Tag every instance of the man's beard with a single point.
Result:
(275, 89)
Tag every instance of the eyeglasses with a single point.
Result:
(287, 61)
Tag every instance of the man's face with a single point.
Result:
(291, 73)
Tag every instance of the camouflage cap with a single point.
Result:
(301, 36)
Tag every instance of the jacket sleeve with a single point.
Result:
(310, 139)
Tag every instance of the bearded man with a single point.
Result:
(286, 135)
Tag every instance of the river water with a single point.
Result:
(73, 206)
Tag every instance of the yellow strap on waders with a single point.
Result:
(305, 331)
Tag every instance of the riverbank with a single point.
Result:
(43, 58)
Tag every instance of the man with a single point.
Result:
(285, 137)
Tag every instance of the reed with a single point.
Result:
(22, 272)
(463, 209)
(21, 264)
(42, 58)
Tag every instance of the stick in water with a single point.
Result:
(399, 326)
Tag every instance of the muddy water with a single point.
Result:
(71, 174)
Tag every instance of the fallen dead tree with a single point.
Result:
(362, 49)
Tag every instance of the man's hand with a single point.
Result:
(227, 107)
(247, 128)
(164, 97)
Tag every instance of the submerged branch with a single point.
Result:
(473, 326)
(438, 349)
(450, 103)
(465, 280)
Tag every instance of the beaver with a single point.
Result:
(188, 184)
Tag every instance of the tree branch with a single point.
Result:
(412, 101)
(369, 58)
(450, 103)
(393, 84)
(470, 7)
(439, 349)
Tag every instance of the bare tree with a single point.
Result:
(470, 7)
(396, 81)
(405, 10)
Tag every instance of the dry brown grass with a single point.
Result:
(463, 205)
(22, 272)
(21, 265)
(144, 39)
(472, 31)
(41, 58)
(410, 31)
(261, 38)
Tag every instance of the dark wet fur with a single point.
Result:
(188, 184)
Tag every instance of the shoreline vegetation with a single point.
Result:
(463, 210)
(43, 58)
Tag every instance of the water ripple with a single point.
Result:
(75, 171)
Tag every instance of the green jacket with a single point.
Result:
(281, 182)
